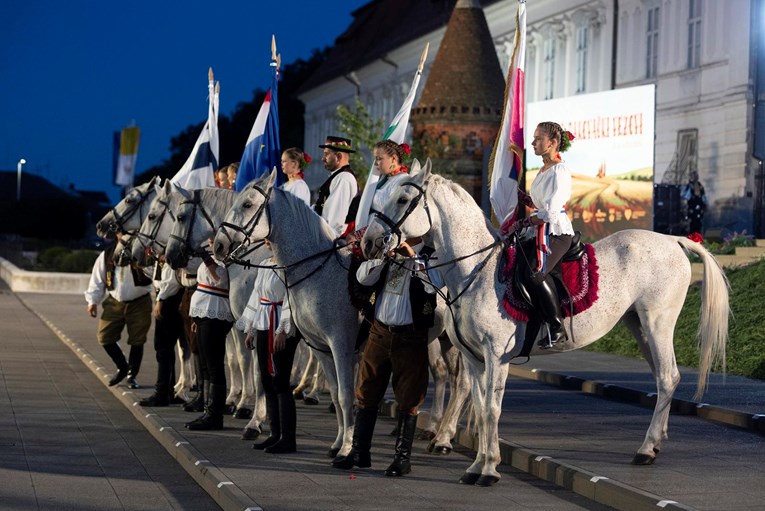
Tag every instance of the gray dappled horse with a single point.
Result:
(644, 278)
(316, 270)
(244, 381)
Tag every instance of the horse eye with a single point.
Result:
(247, 205)
(402, 200)
(152, 216)
(181, 218)
(129, 200)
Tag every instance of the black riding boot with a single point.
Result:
(363, 429)
(287, 420)
(272, 407)
(546, 299)
(401, 459)
(213, 417)
(134, 360)
(115, 352)
(198, 403)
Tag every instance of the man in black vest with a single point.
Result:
(397, 346)
(339, 191)
(125, 293)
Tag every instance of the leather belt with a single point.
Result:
(398, 329)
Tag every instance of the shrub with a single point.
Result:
(79, 261)
(50, 258)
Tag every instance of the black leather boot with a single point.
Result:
(363, 429)
(401, 459)
(134, 365)
(272, 407)
(115, 353)
(198, 403)
(161, 397)
(287, 420)
(213, 417)
(546, 299)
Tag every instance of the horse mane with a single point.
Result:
(439, 182)
(219, 200)
(305, 215)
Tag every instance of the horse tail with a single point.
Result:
(715, 310)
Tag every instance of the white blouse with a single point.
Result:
(381, 196)
(550, 192)
(210, 299)
(267, 293)
(299, 189)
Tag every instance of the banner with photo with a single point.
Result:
(611, 159)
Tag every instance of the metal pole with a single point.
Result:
(18, 179)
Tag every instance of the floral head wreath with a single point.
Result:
(305, 161)
(565, 141)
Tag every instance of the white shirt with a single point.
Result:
(550, 192)
(124, 290)
(342, 190)
(299, 189)
(210, 299)
(393, 306)
(382, 194)
(267, 290)
(168, 284)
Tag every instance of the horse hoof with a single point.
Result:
(331, 408)
(243, 413)
(486, 480)
(250, 433)
(643, 459)
(442, 450)
(468, 478)
(332, 453)
(298, 394)
(229, 409)
(427, 435)
(311, 401)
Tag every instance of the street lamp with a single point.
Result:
(18, 179)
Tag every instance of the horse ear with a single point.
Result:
(272, 178)
(426, 171)
(167, 187)
(415, 167)
(182, 191)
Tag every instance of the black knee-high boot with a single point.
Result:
(546, 299)
(213, 417)
(198, 403)
(363, 430)
(115, 353)
(274, 421)
(134, 362)
(402, 458)
(288, 424)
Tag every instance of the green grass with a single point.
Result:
(746, 345)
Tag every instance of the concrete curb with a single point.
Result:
(225, 493)
(594, 487)
(751, 422)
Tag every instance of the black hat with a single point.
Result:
(338, 144)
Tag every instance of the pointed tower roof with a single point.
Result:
(465, 81)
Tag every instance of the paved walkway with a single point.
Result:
(576, 445)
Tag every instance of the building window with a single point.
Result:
(582, 34)
(549, 53)
(652, 43)
(694, 33)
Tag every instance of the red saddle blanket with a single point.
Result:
(580, 278)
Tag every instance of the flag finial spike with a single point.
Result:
(279, 61)
(217, 87)
(273, 47)
(210, 74)
(423, 57)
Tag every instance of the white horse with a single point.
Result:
(644, 278)
(316, 272)
(244, 381)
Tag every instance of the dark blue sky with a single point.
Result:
(74, 72)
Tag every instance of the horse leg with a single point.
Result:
(254, 427)
(244, 358)
(658, 329)
(439, 372)
(316, 383)
(328, 364)
(495, 379)
(460, 390)
(234, 374)
(475, 376)
(185, 374)
(307, 375)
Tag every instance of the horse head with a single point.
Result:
(155, 229)
(128, 214)
(247, 219)
(405, 215)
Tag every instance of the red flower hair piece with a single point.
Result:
(406, 149)
(570, 135)
(695, 236)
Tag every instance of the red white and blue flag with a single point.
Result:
(262, 152)
(506, 162)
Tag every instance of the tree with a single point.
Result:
(357, 124)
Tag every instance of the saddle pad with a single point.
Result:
(580, 278)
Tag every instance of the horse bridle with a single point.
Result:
(119, 220)
(247, 229)
(196, 202)
(152, 236)
(395, 227)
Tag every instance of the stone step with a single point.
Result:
(755, 251)
(759, 243)
(729, 261)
